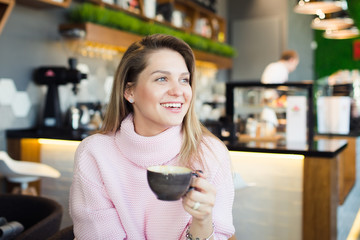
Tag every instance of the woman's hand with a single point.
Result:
(199, 201)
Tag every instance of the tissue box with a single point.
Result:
(333, 114)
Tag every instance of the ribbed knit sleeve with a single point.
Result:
(90, 207)
(221, 177)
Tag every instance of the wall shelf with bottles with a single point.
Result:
(6, 7)
(45, 3)
(202, 21)
(183, 15)
(105, 36)
(135, 10)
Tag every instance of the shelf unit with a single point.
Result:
(108, 36)
(192, 13)
(45, 3)
(6, 7)
(195, 12)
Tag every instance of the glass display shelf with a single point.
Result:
(269, 105)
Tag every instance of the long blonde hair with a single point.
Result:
(132, 64)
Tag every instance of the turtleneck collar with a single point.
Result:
(148, 151)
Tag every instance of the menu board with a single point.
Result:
(296, 126)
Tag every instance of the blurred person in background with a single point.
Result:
(278, 72)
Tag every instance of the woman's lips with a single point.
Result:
(171, 105)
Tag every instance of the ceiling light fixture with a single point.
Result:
(319, 8)
(342, 34)
(332, 23)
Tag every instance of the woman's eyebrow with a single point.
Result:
(160, 71)
(185, 73)
(168, 73)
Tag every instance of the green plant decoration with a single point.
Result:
(354, 11)
(87, 12)
(333, 55)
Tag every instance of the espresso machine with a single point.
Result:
(53, 76)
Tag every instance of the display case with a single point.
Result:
(271, 112)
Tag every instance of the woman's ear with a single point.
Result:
(129, 93)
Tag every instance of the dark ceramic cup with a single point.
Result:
(169, 183)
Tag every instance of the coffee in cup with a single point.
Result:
(169, 183)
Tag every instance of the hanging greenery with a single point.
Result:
(87, 12)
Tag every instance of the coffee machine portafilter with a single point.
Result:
(53, 77)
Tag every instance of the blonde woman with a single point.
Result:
(150, 120)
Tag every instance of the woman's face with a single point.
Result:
(162, 94)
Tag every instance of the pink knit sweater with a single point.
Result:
(110, 197)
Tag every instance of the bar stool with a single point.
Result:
(24, 172)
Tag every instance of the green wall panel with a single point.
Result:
(332, 55)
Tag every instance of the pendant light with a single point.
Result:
(342, 34)
(332, 23)
(318, 7)
(335, 28)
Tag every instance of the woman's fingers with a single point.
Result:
(199, 210)
(200, 201)
(203, 186)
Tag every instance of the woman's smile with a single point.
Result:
(174, 107)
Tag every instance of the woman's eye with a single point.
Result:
(161, 79)
(185, 80)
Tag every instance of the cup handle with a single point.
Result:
(195, 174)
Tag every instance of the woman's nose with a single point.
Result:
(175, 89)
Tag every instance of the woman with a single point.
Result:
(151, 120)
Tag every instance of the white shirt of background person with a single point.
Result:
(276, 72)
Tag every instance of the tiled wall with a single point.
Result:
(18, 109)
(18, 101)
